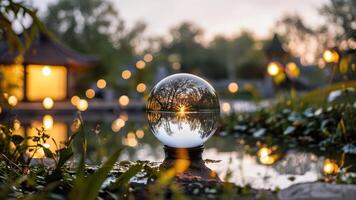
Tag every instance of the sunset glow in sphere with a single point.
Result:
(183, 111)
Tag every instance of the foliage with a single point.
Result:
(11, 12)
(315, 125)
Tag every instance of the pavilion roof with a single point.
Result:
(46, 51)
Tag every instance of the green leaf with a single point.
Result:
(89, 188)
(64, 155)
(48, 153)
(124, 178)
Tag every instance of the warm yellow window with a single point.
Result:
(11, 80)
(46, 81)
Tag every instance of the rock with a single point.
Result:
(318, 191)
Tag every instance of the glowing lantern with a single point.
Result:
(124, 100)
(331, 56)
(233, 87)
(90, 93)
(273, 69)
(48, 103)
(126, 74)
(82, 105)
(101, 83)
(42, 71)
(12, 101)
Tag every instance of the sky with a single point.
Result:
(226, 17)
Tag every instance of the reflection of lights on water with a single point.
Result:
(47, 122)
(82, 105)
(330, 167)
(126, 74)
(74, 100)
(46, 71)
(90, 93)
(140, 64)
(331, 56)
(124, 116)
(292, 69)
(101, 83)
(124, 100)
(130, 140)
(181, 109)
(140, 133)
(141, 87)
(233, 87)
(117, 125)
(48, 103)
(12, 100)
(273, 69)
(148, 57)
(266, 157)
(226, 107)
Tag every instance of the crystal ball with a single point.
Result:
(183, 111)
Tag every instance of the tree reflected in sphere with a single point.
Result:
(183, 111)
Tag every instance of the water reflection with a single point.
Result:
(183, 129)
(247, 168)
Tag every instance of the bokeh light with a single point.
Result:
(233, 87)
(141, 87)
(273, 69)
(148, 57)
(226, 107)
(330, 167)
(124, 100)
(140, 64)
(101, 83)
(74, 100)
(331, 56)
(126, 74)
(82, 105)
(292, 70)
(12, 101)
(90, 93)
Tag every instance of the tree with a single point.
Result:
(342, 14)
(11, 12)
(95, 27)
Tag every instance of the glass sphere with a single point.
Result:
(183, 111)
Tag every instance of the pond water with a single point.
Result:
(251, 162)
